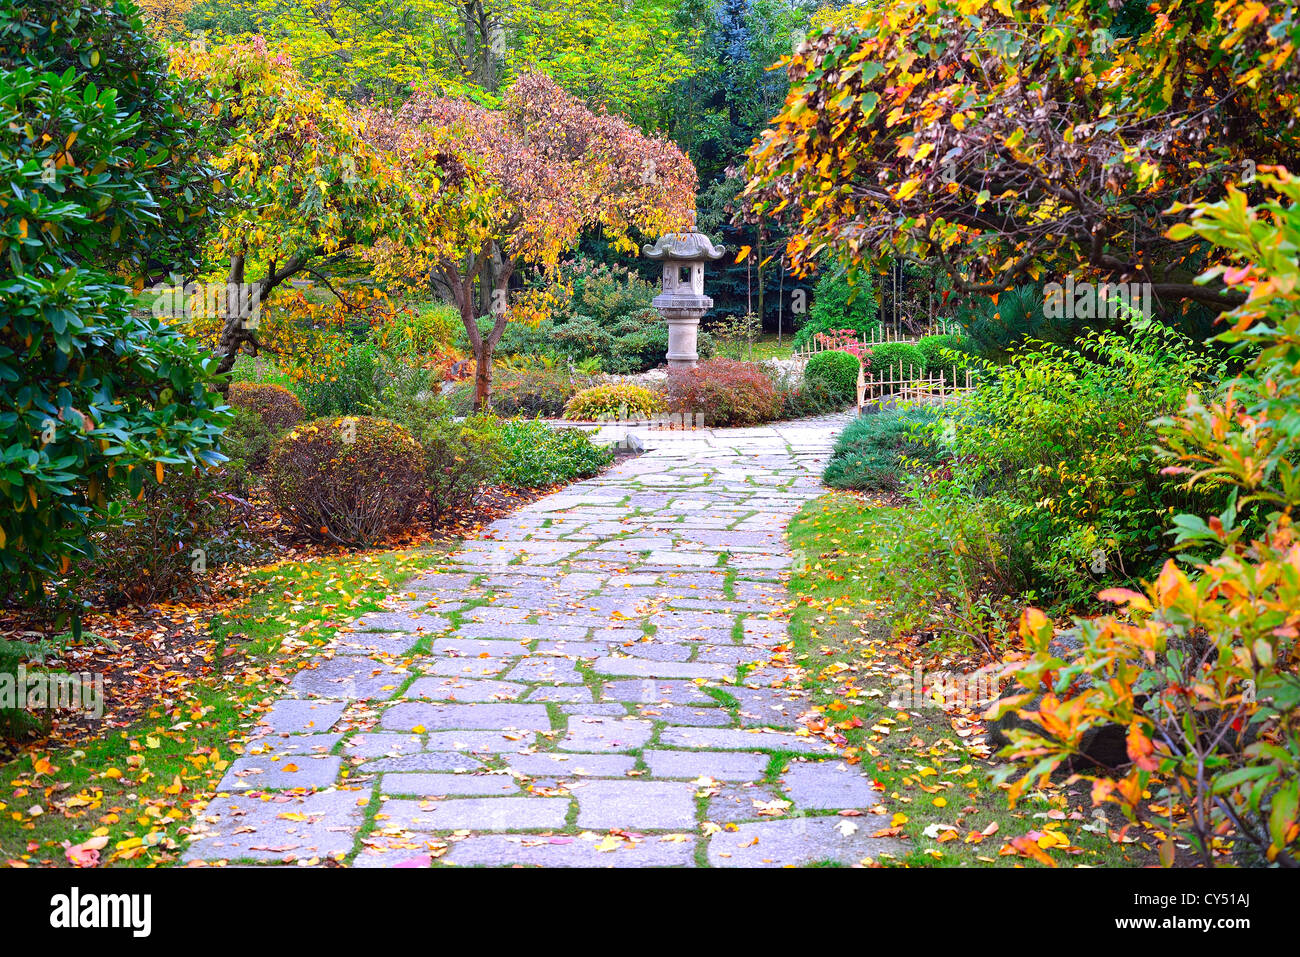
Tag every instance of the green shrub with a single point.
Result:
(17, 724)
(839, 304)
(1058, 446)
(1201, 666)
(724, 392)
(169, 542)
(534, 455)
(1049, 485)
(839, 370)
(614, 401)
(735, 335)
(346, 389)
(461, 457)
(278, 407)
(350, 479)
(801, 397)
(887, 358)
(259, 369)
(877, 451)
(606, 293)
(995, 328)
(584, 336)
(428, 331)
(247, 444)
(607, 317)
(946, 355)
(941, 569)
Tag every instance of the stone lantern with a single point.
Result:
(682, 302)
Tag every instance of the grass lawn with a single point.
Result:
(763, 348)
(259, 369)
(932, 774)
(132, 789)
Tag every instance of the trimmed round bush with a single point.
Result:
(278, 407)
(887, 357)
(614, 401)
(933, 347)
(725, 393)
(352, 479)
(461, 459)
(838, 370)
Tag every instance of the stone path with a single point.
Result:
(588, 684)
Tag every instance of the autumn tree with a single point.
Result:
(497, 189)
(1001, 140)
(301, 184)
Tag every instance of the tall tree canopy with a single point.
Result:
(1004, 139)
(622, 56)
(495, 189)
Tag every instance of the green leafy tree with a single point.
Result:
(622, 56)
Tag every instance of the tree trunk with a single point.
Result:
(235, 330)
(486, 346)
(485, 286)
(483, 375)
(242, 304)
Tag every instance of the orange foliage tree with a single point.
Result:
(1002, 139)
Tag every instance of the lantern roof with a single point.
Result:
(686, 247)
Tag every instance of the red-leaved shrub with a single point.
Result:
(349, 479)
(725, 392)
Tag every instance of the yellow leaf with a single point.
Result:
(907, 189)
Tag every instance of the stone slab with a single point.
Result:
(566, 851)
(801, 841)
(651, 805)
